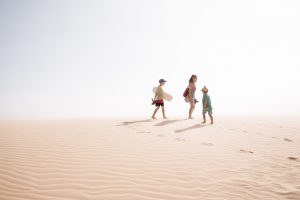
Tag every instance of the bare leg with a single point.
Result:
(204, 118)
(192, 103)
(163, 112)
(154, 113)
(211, 118)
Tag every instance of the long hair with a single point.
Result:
(192, 78)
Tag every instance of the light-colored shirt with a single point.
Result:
(159, 93)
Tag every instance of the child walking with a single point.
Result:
(159, 100)
(206, 103)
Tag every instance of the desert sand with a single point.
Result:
(237, 158)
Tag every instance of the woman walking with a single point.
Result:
(191, 94)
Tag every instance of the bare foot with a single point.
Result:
(153, 117)
(203, 122)
(165, 118)
(211, 122)
(190, 118)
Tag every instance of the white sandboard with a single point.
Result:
(166, 95)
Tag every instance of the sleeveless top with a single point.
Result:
(193, 91)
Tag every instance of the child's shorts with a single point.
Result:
(159, 102)
(209, 110)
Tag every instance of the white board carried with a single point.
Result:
(166, 95)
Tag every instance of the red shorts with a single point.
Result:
(159, 102)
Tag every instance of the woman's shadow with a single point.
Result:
(163, 123)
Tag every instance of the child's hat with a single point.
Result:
(162, 80)
(204, 89)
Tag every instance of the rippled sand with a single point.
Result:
(136, 159)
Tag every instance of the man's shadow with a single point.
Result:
(190, 128)
(134, 122)
(163, 123)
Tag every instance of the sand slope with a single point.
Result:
(141, 159)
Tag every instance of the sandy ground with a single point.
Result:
(141, 159)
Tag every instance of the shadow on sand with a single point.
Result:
(190, 128)
(134, 122)
(163, 123)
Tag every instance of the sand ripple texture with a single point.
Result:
(139, 159)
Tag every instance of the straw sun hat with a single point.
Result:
(204, 89)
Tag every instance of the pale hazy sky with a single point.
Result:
(65, 59)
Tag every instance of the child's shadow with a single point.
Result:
(190, 128)
(163, 123)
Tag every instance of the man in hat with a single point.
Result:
(159, 99)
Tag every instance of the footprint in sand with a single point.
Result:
(275, 137)
(258, 133)
(160, 135)
(245, 151)
(143, 132)
(131, 127)
(287, 140)
(294, 158)
(179, 139)
(231, 129)
(207, 144)
(244, 131)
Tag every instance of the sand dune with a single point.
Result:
(141, 159)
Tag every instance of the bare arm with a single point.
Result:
(155, 95)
